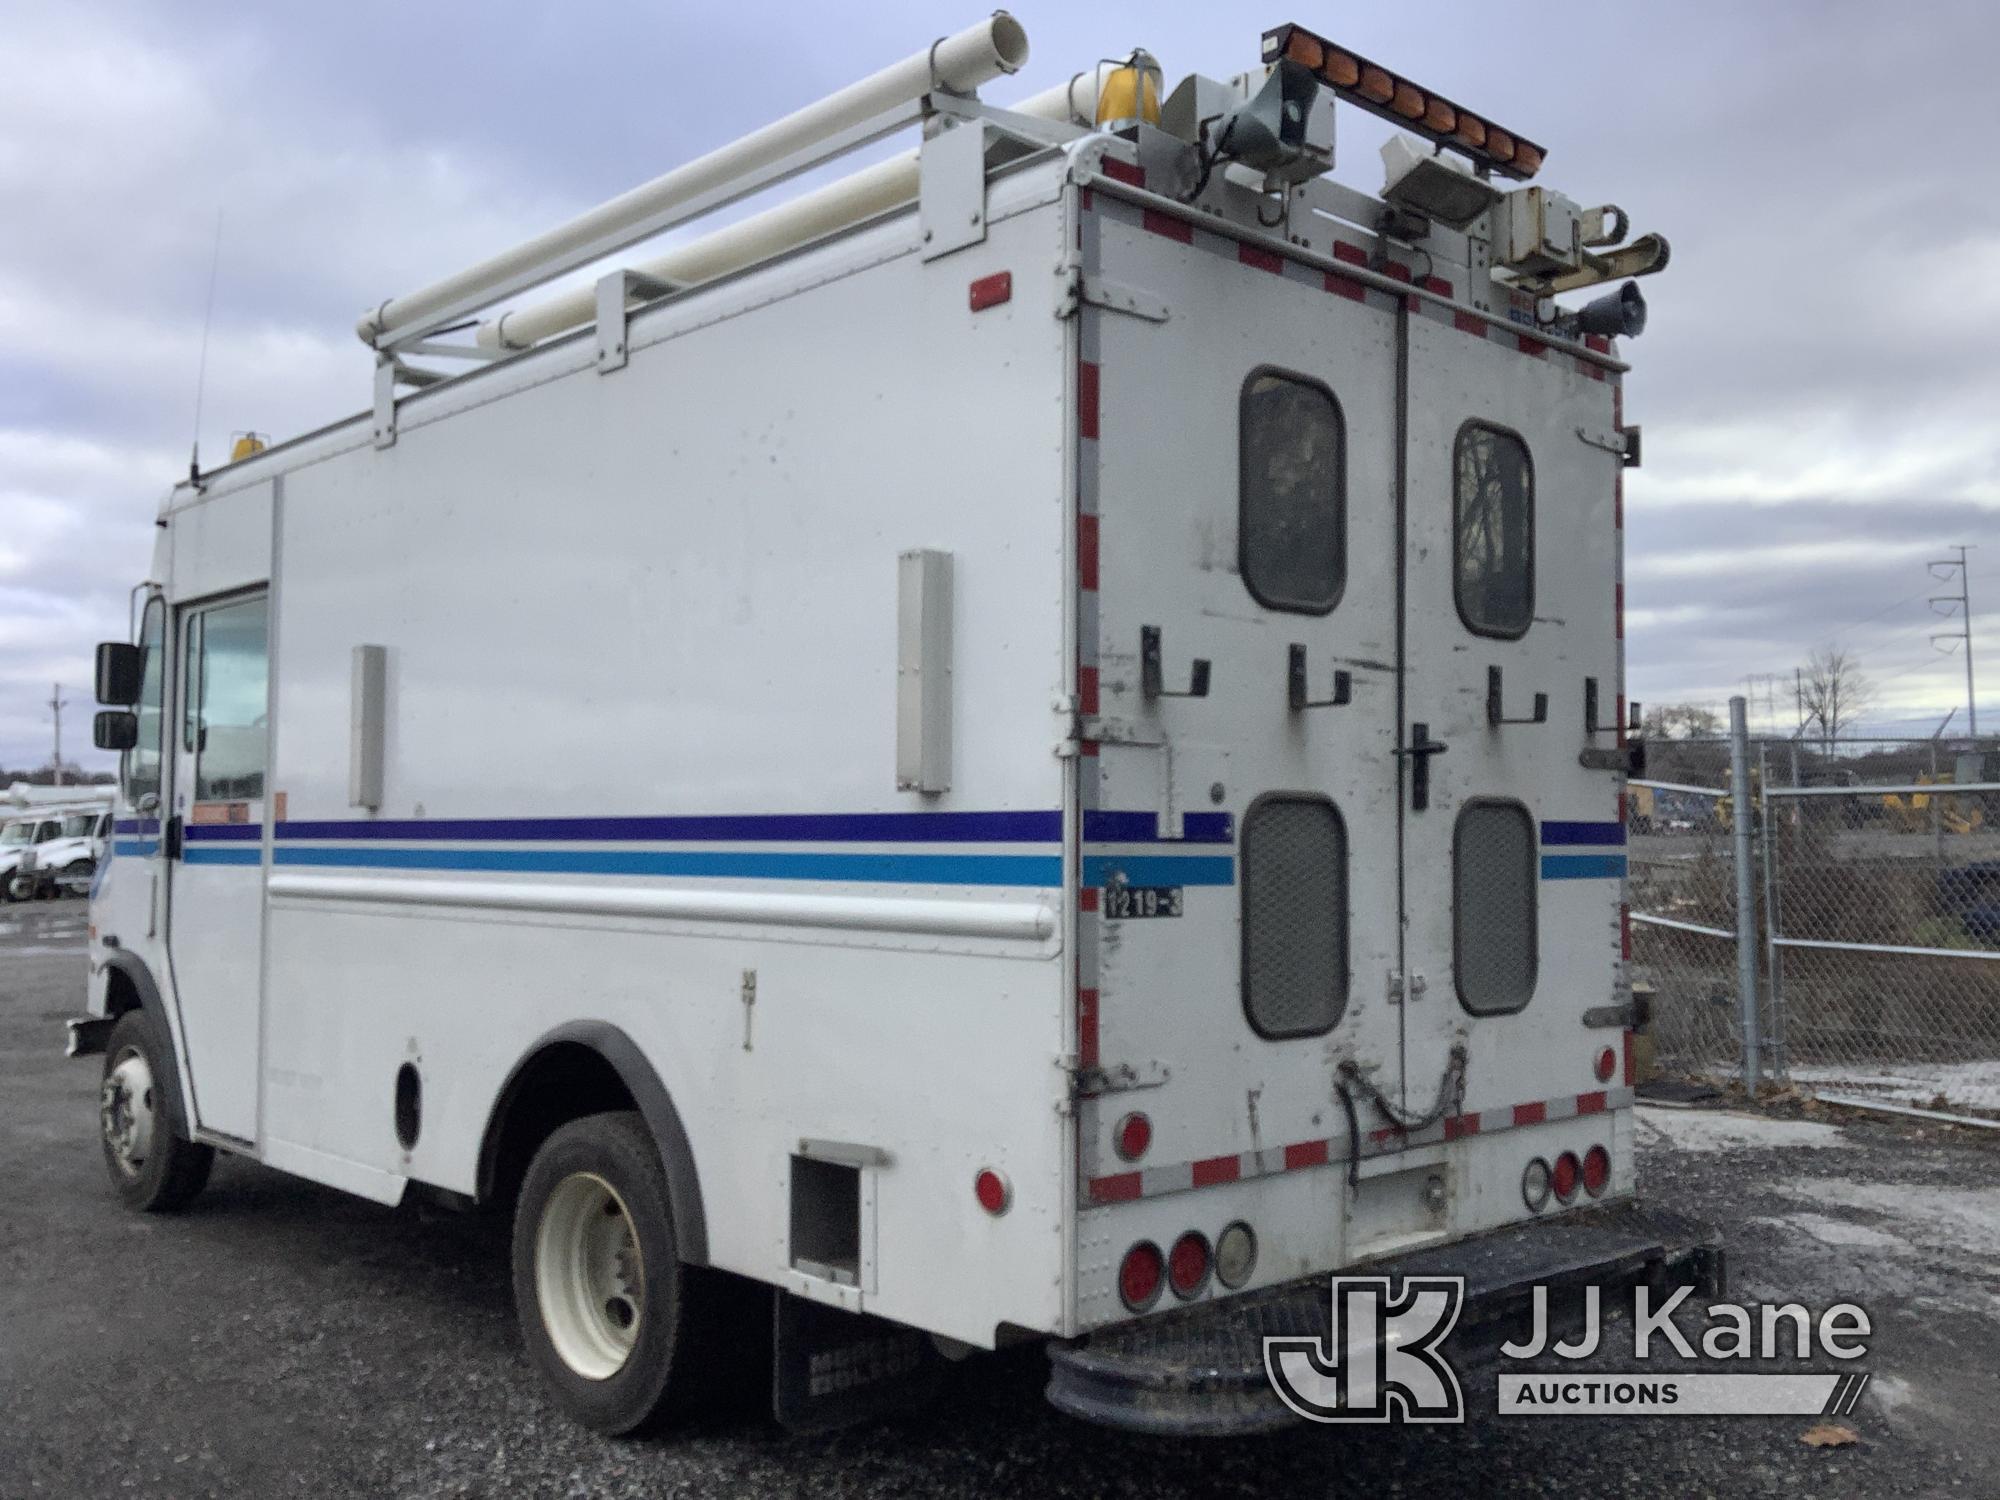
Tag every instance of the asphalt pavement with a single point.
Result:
(282, 1339)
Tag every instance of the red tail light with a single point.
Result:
(1596, 1171)
(1607, 1064)
(1187, 1265)
(1134, 1135)
(991, 1189)
(1139, 1276)
(1566, 1176)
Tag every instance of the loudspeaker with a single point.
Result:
(1620, 314)
(1267, 130)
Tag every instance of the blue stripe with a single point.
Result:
(1583, 833)
(136, 825)
(1583, 867)
(144, 848)
(910, 869)
(222, 856)
(1160, 869)
(234, 833)
(843, 828)
(1103, 826)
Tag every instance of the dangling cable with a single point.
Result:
(1450, 1094)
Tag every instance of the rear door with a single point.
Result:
(1237, 486)
(1514, 867)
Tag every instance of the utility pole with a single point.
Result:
(1963, 600)
(57, 703)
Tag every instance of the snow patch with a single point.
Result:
(1836, 1231)
(1723, 1130)
(1952, 1220)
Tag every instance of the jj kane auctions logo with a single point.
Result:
(1383, 1358)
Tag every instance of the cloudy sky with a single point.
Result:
(1818, 386)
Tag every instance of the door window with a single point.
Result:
(1294, 915)
(1292, 502)
(225, 728)
(1493, 519)
(1495, 883)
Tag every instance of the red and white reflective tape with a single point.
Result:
(1151, 1182)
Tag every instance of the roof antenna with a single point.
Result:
(201, 371)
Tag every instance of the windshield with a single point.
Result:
(15, 834)
(78, 825)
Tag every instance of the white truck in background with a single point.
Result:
(1110, 646)
(54, 849)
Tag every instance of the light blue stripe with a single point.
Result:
(144, 848)
(1583, 867)
(1160, 869)
(907, 869)
(221, 855)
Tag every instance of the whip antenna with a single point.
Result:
(201, 369)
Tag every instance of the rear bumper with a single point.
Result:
(1201, 1372)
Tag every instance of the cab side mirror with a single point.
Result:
(121, 674)
(115, 729)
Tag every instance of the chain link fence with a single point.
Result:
(1875, 932)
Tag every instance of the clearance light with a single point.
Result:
(1413, 107)
(1133, 1136)
(992, 1190)
(1607, 1064)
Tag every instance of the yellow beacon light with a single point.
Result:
(1415, 108)
(247, 445)
(1131, 91)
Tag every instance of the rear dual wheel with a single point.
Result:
(599, 1288)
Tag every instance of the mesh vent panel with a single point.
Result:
(1294, 916)
(1495, 878)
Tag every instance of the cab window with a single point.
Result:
(225, 727)
(142, 761)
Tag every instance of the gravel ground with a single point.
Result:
(282, 1339)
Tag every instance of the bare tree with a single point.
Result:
(1681, 721)
(1834, 694)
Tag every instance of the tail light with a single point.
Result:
(1535, 1185)
(1187, 1265)
(1566, 1177)
(1139, 1276)
(1235, 1255)
(1596, 1171)
(1133, 1136)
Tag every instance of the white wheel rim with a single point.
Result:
(127, 1112)
(589, 1276)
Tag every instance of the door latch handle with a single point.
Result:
(1300, 695)
(1420, 750)
(1152, 682)
(1496, 713)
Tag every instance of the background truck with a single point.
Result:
(1107, 645)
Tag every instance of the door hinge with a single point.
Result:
(1404, 987)
(1088, 289)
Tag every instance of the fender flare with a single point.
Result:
(656, 1106)
(134, 969)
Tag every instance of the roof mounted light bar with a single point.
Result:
(1418, 110)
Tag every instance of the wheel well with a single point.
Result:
(120, 994)
(562, 1082)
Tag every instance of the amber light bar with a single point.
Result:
(1381, 92)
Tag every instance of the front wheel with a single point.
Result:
(598, 1283)
(153, 1166)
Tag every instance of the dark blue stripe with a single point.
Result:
(911, 869)
(233, 833)
(1583, 833)
(222, 856)
(1160, 869)
(1583, 867)
(835, 828)
(136, 825)
(1103, 826)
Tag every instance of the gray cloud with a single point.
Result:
(1816, 384)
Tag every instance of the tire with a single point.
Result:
(154, 1167)
(74, 878)
(599, 1288)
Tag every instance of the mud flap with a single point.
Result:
(830, 1367)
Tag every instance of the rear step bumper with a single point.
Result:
(1200, 1373)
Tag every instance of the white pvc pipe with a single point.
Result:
(979, 53)
(871, 191)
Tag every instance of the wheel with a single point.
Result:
(598, 1283)
(74, 878)
(154, 1167)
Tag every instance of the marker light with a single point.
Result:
(1415, 108)
(992, 1191)
(1133, 1136)
(1607, 1064)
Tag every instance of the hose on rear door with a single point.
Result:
(1450, 1095)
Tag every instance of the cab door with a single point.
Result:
(214, 844)
(1514, 847)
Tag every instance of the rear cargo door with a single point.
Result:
(1514, 859)
(1237, 669)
